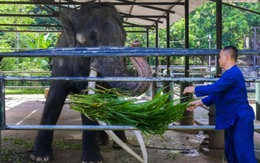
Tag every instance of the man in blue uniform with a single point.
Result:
(233, 112)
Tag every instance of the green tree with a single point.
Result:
(16, 41)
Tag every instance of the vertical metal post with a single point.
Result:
(188, 116)
(155, 87)
(219, 31)
(167, 84)
(147, 38)
(156, 35)
(216, 138)
(168, 41)
(255, 48)
(2, 112)
(257, 100)
(149, 92)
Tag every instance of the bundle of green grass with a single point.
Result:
(113, 108)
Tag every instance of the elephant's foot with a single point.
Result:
(91, 156)
(39, 157)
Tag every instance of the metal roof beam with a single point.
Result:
(145, 17)
(237, 7)
(147, 6)
(82, 3)
(36, 31)
(60, 26)
(127, 24)
(31, 25)
(29, 15)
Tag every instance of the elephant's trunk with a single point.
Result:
(143, 70)
(115, 67)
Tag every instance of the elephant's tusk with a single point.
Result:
(138, 135)
(92, 73)
(142, 145)
(122, 144)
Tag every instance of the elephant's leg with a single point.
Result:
(42, 150)
(121, 135)
(91, 152)
(103, 138)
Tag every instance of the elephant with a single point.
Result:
(94, 24)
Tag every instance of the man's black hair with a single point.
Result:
(232, 51)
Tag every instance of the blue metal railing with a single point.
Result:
(101, 52)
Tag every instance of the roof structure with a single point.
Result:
(148, 12)
(143, 13)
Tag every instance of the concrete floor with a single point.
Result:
(27, 109)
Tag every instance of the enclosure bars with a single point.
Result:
(108, 51)
(2, 112)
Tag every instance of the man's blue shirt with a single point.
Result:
(229, 95)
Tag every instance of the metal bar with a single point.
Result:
(237, 7)
(168, 39)
(187, 33)
(99, 127)
(147, 38)
(108, 127)
(31, 25)
(27, 72)
(218, 32)
(60, 26)
(136, 25)
(28, 15)
(143, 16)
(82, 3)
(2, 104)
(147, 18)
(147, 6)
(135, 31)
(53, 31)
(119, 51)
(26, 87)
(124, 79)
(36, 31)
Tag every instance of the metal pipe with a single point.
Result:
(124, 79)
(2, 105)
(106, 127)
(82, 3)
(119, 52)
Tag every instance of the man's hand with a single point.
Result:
(189, 89)
(193, 105)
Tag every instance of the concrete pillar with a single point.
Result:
(188, 116)
(216, 137)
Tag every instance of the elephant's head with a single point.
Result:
(101, 25)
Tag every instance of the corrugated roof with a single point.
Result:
(148, 12)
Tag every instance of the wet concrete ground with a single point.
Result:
(174, 146)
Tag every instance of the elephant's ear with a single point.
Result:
(68, 26)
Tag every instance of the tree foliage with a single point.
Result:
(237, 25)
(16, 41)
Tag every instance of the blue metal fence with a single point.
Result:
(107, 51)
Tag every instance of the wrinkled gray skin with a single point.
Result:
(92, 25)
